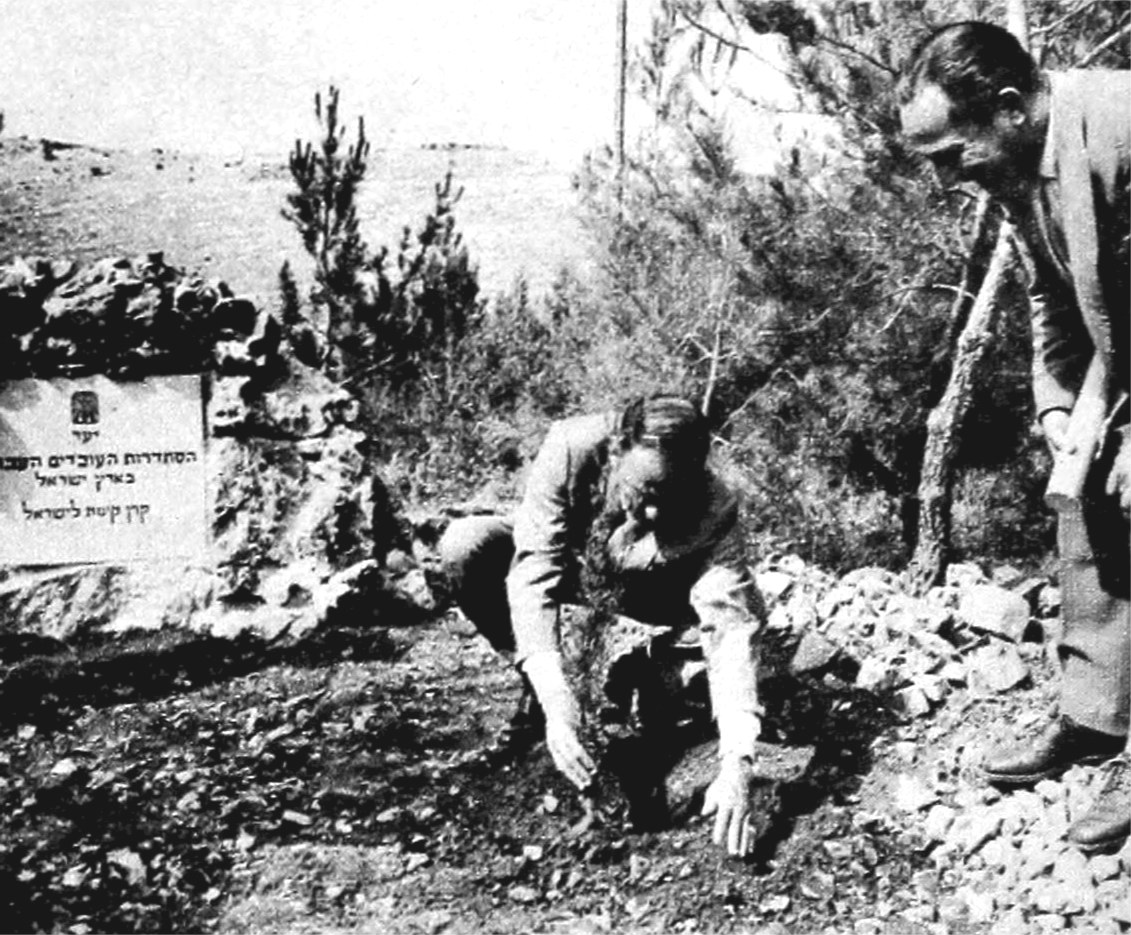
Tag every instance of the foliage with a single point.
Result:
(324, 212)
(436, 370)
(516, 369)
(811, 312)
(383, 324)
(813, 316)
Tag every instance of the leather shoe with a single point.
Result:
(1106, 824)
(1063, 744)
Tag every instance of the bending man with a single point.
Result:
(621, 509)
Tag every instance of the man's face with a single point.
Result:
(997, 155)
(644, 484)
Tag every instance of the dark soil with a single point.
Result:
(242, 789)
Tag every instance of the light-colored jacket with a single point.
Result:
(702, 580)
(1077, 228)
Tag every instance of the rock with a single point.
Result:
(979, 906)
(838, 597)
(818, 885)
(773, 585)
(925, 882)
(1050, 791)
(966, 574)
(803, 616)
(1112, 896)
(1071, 868)
(1048, 604)
(996, 667)
(1006, 576)
(64, 768)
(993, 609)
(1036, 859)
(938, 822)
(1028, 803)
(780, 763)
(792, 565)
(776, 903)
(1104, 867)
(998, 853)
(779, 618)
(814, 652)
(1030, 589)
(1049, 922)
(871, 581)
(912, 795)
(522, 894)
(875, 675)
(1050, 898)
(971, 830)
(953, 672)
(416, 861)
(912, 702)
(1011, 922)
(838, 850)
(288, 483)
(934, 689)
(130, 863)
(1056, 820)
(920, 917)
(1125, 856)
(952, 910)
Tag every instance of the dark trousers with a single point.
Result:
(476, 552)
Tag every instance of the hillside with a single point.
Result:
(223, 218)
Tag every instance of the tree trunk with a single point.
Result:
(1017, 20)
(933, 544)
(932, 549)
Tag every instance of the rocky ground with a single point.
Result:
(356, 782)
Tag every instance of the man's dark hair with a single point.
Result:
(666, 422)
(972, 63)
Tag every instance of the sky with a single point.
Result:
(227, 76)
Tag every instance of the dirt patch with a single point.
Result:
(323, 793)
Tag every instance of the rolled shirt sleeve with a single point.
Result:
(731, 615)
(541, 540)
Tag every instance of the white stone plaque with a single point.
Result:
(93, 470)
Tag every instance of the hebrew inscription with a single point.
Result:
(92, 470)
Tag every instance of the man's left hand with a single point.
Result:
(728, 799)
(1119, 480)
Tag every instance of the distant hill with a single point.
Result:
(222, 217)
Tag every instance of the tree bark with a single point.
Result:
(933, 545)
(1017, 20)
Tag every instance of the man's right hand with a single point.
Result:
(1054, 425)
(570, 755)
(563, 717)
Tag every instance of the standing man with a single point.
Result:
(1055, 150)
(622, 513)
